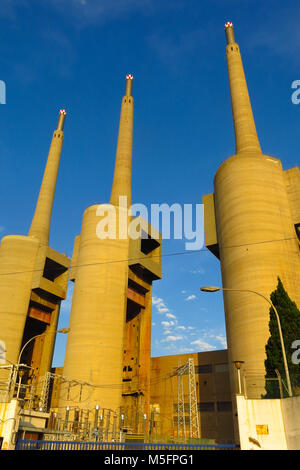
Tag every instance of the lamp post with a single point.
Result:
(101, 425)
(67, 418)
(122, 426)
(238, 365)
(215, 289)
(145, 425)
(96, 417)
(62, 330)
(21, 373)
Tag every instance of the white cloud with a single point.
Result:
(191, 297)
(185, 350)
(183, 291)
(173, 338)
(283, 42)
(167, 324)
(86, 12)
(174, 49)
(202, 345)
(181, 327)
(222, 340)
(198, 271)
(170, 315)
(160, 305)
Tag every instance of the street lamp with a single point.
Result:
(215, 289)
(62, 330)
(145, 424)
(96, 417)
(238, 366)
(21, 373)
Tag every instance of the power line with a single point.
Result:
(179, 253)
(125, 260)
(259, 243)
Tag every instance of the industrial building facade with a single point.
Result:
(252, 226)
(110, 322)
(213, 394)
(160, 419)
(33, 282)
(109, 385)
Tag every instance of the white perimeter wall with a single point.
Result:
(291, 419)
(280, 419)
(9, 422)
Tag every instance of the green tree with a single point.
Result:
(289, 315)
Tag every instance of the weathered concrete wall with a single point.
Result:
(291, 419)
(9, 423)
(269, 424)
(261, 424)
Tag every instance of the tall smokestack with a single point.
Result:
(94, 351)
(40, 226)
(245, 131)
(122, 174)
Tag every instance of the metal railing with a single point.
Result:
(116, 446)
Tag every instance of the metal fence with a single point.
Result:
(258, 386)
(116, 446)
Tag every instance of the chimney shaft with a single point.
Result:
(245, 131)
(40, 226)
(61, 120)
(122, 174)
(128, 85)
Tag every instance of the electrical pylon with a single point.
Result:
(187, 369)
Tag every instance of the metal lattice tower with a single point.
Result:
(194, 419)
(187, 369)
(180, 405)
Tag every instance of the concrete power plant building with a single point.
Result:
(108, 347)
(252, 225)
(33, 281)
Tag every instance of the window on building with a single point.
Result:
(221, 367)
(203, 369)
(206, 406)
(224, 406)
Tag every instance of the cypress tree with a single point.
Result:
(289, 316)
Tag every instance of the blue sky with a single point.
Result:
(74, 54)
